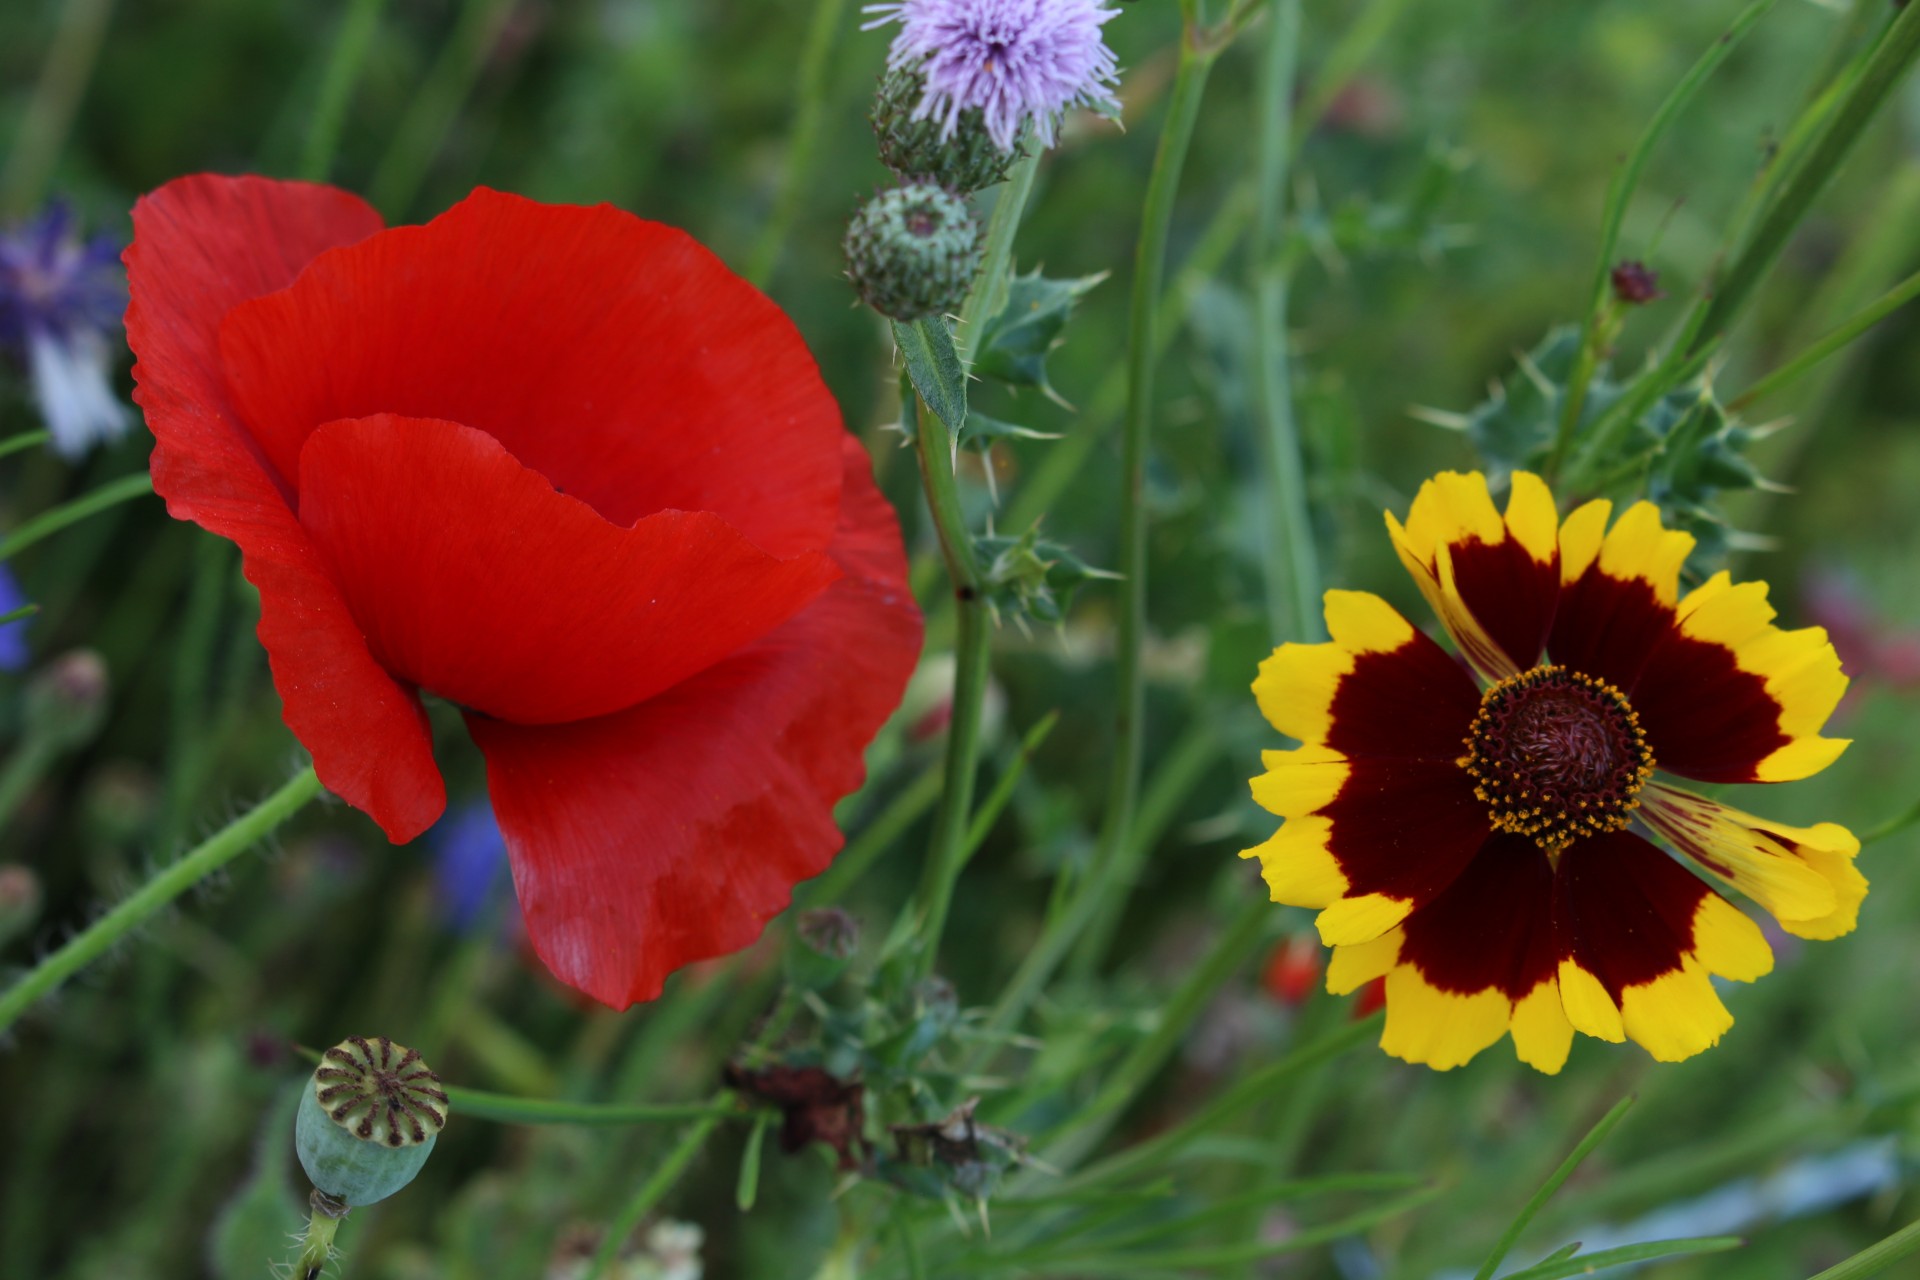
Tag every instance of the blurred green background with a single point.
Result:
(1448, 206)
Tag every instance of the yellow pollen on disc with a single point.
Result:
(1556, 755)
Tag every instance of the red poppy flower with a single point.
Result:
(562, 468)
(1482, 844)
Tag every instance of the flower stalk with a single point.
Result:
(1197, 57)
(90, 944)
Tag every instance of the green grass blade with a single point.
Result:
(48, 523)
(1595, 1136)
(1582, 1264)
(1875, 1259)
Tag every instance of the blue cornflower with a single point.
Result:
(60, 304)
(13, 635)
(1015, 60)
(469, 863)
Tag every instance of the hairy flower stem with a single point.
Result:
(173, 880)
(809, 111)
(1292, 567)
(1183, 110)
(316, 1247)
(1887, 66)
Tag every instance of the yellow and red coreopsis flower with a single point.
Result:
(1480, 842)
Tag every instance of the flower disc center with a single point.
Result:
(1555, 755)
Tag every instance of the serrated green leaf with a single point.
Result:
(1014, 345)
(926, 346)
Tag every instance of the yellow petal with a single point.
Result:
(1297, 867)
(1726, 941)
(1300, 781)
(1676, 1015)
(1531, 517)
(1588, 1006)
(1542, 1035)
(1355, 965)
(1361, 919)
(1440, 1028)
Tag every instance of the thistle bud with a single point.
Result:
(967, 160)
(912, 251)
(368, 1120)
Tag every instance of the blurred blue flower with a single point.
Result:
(13, 635)
(1016, 60)
(60, 304)
(469, 864)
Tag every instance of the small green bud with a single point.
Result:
(912, 251)
(966, 161)
(828, 938)
(368, 1119)
(66, 700)
(19, 901)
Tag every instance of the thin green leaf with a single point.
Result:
(51, 522)
(1595, 1136)
(747, 1190)
(24, 441)
(1586, 1264)
(1875, 1259)
(16, 615)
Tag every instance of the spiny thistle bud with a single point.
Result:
(368, 1119)
(965, 159)
(912, 251)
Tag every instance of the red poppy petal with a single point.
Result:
(202, 245)
(674, 831)
(616, 357)
(474, 579)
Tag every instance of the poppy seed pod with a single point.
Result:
(915, 145)
(912, 251)
(368, 1119)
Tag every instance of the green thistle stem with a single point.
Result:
(809, 111)
(972, 654)
(935, 449)
(172, 881)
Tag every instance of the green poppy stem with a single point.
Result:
(90, 944)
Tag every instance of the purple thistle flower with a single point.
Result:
(60, 301)
(1016, 60)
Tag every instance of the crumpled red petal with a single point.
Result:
(617, 357)
(201, 246)
(673, 832)
(474, 579)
